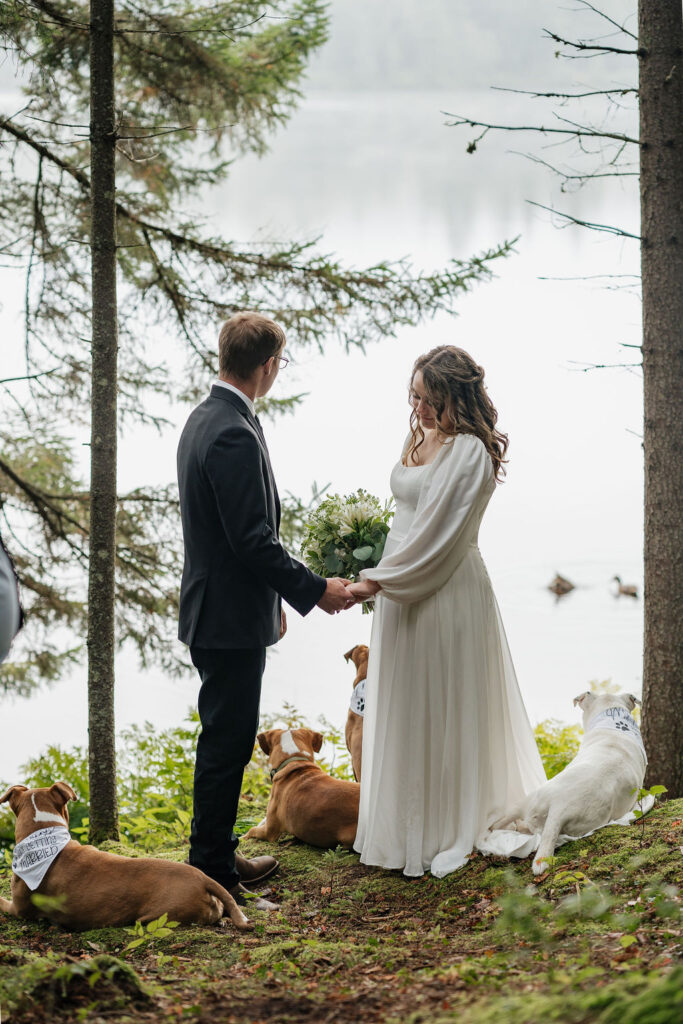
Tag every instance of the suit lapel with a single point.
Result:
(259, 430)
(236, 402)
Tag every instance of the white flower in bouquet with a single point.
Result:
(345, 535)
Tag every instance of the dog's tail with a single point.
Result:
(546, 847)
(229, 905)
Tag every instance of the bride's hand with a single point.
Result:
(363, 590)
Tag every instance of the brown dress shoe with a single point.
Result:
(253, 872)
(246, 899)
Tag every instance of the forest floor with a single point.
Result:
(599, 938)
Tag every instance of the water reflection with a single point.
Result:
(347, 158)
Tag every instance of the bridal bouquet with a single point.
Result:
(345, 535)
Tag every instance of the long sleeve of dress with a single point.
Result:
(441, 531)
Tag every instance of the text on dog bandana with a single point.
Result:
(357, 702)
(35, 854)
(620, 720)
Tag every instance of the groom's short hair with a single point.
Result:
(246, 341)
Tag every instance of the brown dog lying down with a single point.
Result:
(354, 722)
(304, 801)
(92, 889)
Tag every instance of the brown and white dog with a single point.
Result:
(304, 800)
(88, 888)
(354, 722)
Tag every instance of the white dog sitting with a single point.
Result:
(598, 786)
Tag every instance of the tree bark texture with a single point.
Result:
(101, 580)
(661, 193)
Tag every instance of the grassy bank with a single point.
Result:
(600, 938)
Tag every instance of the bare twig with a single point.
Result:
(585, 223)
(580, 45)
(592, 277)
(29, 376)
(601, 14)
(585, 367)
(570, 132)
(625, 91)
(588, 176)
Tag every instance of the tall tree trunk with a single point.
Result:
(661, 194)
(101, 581)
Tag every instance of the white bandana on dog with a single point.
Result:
(35, 854)
(619, 719)
(357, 702)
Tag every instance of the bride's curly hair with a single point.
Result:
(454, 385)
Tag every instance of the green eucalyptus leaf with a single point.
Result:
(333, 563)
(362, 554)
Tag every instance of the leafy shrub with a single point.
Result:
(334, 758)
(155, 778)
(557, 744)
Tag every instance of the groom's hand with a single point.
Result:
(336, 597)
(283, 623)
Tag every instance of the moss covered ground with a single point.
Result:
(599, 938)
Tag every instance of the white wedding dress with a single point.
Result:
(447, 744)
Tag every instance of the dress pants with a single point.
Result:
(229, 711)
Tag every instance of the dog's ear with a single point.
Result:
(264, 741)
(584, 700)
(13, 794)
(316, 741)
(632, 700)
(349, 654)
(63, 792)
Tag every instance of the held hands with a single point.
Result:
(342, 594)
(336, 596)
(363, 590)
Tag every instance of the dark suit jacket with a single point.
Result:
(236, 570)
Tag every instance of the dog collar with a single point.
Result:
(34, 855)
(357, 702)
(619, 720)
(288, 760)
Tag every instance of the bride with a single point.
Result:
(447, 745)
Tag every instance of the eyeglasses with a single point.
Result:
(283, 361)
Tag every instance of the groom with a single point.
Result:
(236, 572)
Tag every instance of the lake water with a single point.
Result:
(379, 176)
